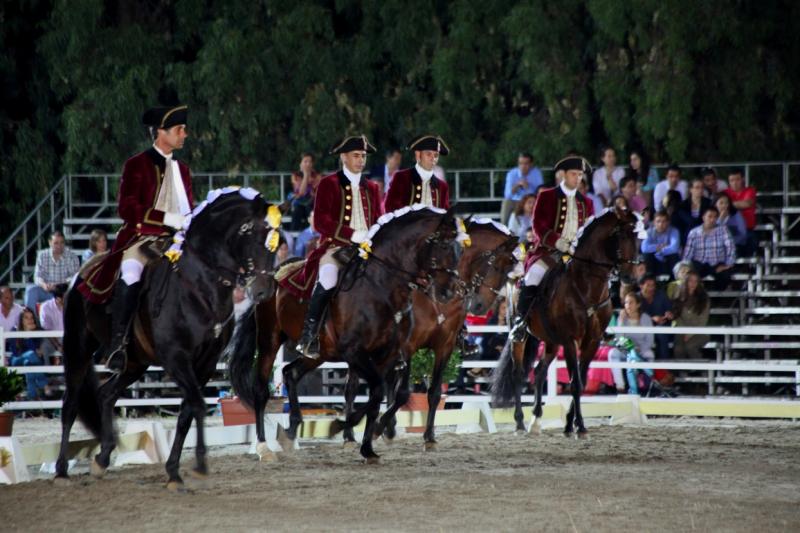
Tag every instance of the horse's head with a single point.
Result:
(232, 230)
(440, 256)
(485, 265)
(611, 241)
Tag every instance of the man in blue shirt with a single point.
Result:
(656, 304)
(662, 246)
(301, 242)
(521, 180)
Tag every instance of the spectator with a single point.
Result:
(656, 304)
(605, 179)
(691, 209)
(304, 239)
(730, 217)
(636, 202)
(520, 220)
(632, 315)
(493, 343)
(711, 250)
(673, 182)
(9, 310)
(597, 202)
(51, 317)
(691, 310)
(679, 272)
(304, 187)
(98, 244)
(521, 180)
(28, 352)
(282, 253)
(639, 271)
(744, 200)
(662, 247)
(383, 174)
(54, 265)
(640, 170)
(711, 185)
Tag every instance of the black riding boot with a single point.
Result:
(519, 325)
(122, 308)
(308, 345)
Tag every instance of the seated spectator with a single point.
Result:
(712, 187)
(711, 250)
(672, 204)
(744, 200)
(98, 244)
(28, 352)
(520, 220)
(662, 247)
(691, 210)
(520, 180)
(691, 310)
(605, 180)
(597, 202)
(383, 174)
(493, 343)
(679, 272)
(304, 187)
(636, 201)
(632, 315)
(51, 317)
(730, 217)
(640, 170)
(9, 310)
(54, 265)
(656, 304)
(673, 182)
(306, 238)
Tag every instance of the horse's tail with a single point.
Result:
(506, 377)
(81, 379)
(241, 364)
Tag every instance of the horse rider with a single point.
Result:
(155, 195)
(346, 205)
(558, 213)
(418, 185)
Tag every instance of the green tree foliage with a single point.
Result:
(686, 80)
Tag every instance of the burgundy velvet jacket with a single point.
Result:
(332, 219)
(406, 189)
(138, 193)
(548, 219)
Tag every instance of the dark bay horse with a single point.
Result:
(368, 314)
(572, 310)
(183, 322)
(483, 269)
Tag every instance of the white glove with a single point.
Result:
(562, 245)
(359, 236)
(174, 220)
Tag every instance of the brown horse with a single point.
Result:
(367, 316)
(484, 268)
(572, 310)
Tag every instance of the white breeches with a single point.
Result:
(535, 273)
(131, 271)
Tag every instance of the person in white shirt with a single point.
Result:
(673, 182)
(9, 310)
(605, 180)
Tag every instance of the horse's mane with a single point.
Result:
(401, 218)
(589, 226)
(489, 222)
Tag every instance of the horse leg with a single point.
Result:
(576, 386)
(435, 395)
(375, 383)
(261, 396)
(195, 408)
(175, 482)
(350, 391)
(292, 374)
(540, 378)
(396, 397)
(518, 353)
(588, 351)
(108, 394)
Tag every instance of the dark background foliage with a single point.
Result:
(265, 80)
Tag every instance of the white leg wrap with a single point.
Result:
(616, 356)
(328, 275)
(131, 271)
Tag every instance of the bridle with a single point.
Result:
(478, 279)
(619, 261)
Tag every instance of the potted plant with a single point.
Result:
(420, 376)
(11, 384)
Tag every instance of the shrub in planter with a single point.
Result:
(422, 368)
(11, 384)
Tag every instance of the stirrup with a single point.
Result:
(519, 329)
(118, 360)
(309, 349)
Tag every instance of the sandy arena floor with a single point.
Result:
(670, 475)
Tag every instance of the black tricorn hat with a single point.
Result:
(165, 117)
(429, 142)
(574, 162)
(351, 144)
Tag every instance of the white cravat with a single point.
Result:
(177, 201)
(427, 197)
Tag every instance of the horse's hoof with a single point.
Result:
(175, 486)
(582, 435)
(388, 440)
(430, 446)
(96, 469)
(536, 427)
(519, 432)
(196, 474)
(62, 481)
(286, 442)
(265, 455)
(375, 460)
(349, 445)
(569, 434)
